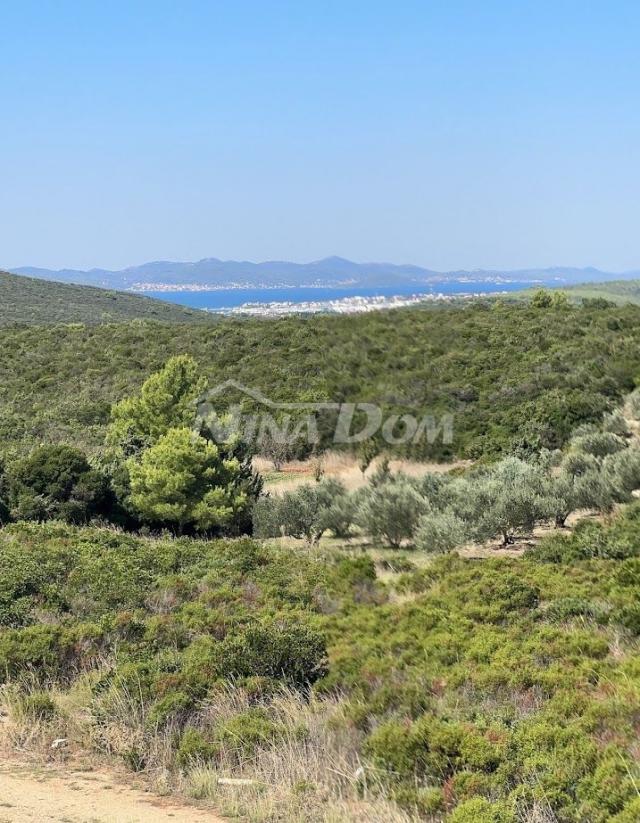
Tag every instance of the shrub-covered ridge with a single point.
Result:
(514, 375)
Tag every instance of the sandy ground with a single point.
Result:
(30, 794)
(342, 467)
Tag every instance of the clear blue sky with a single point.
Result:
(449, 134)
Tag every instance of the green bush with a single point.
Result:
(194, 748)
(56, 482)
(39, 706)
(281, 649)
(272, 648)
(248, 731)
(592, 540)
(480, 810)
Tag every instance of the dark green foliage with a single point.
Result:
(56, 482)
(277, 649)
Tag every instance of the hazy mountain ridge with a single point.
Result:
(330, 271)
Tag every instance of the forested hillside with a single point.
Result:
(38, 302)
(515, 376)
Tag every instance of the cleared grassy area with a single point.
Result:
(343, 467)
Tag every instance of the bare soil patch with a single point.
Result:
(32, 793)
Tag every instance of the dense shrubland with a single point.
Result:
(161, 468)
(472, 691)
(516, 377)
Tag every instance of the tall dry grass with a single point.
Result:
(313, 777)
(317, 776)
(299, 777)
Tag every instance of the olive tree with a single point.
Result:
(622, 472)
(598, 444)
(340, 516)
(504, 499)
(390, 511)
(440, 531)
(595, 491)
(306, 513)
(438, 489)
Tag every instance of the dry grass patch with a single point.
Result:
(310, 771)
(343, 467)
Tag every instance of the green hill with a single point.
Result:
(618, 291)
(513, 375)
(25, 300)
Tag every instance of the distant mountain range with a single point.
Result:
(212, 273)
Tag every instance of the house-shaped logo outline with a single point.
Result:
(259, 397)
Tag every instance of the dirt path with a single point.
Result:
(30, 794)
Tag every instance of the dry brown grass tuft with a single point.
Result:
(314, 776)
(311, 772)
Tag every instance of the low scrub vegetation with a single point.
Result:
(459, 691)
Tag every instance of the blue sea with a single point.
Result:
(222, 299)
